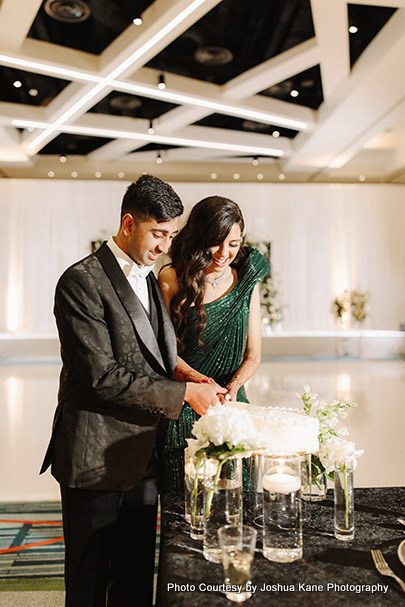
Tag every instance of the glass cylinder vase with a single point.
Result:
(222, 505)
(193, 491)
(282, 524)
(344, 501)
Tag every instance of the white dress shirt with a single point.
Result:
(136, 275)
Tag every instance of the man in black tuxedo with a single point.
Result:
(118, 350)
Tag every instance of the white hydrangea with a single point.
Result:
(222, 424)
(340, 451)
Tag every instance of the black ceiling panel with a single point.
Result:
(35, 89)
(107, 19)
(308, 84)
(235, 36)
(369, 20)
(248, 126)
(123, 104)
(73, 144)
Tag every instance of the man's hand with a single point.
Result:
(202, 396)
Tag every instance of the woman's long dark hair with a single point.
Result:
(208, 225)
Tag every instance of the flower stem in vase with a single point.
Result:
(212, 488)
(344, 501)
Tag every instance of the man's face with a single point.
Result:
(147, 240)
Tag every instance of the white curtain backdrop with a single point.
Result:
(325, 238)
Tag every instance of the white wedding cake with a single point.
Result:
(285, 431)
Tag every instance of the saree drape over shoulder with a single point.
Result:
(224, 338)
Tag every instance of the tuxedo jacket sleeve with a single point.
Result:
(115, 380)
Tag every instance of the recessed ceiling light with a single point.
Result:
(74, 174)
(362, 178)
(121, 174)
(236, 175)
(353, 29)
(31, 129)
(98, 174)
(281, 177)
(294, 93)
(159, 159)
(17, 84)
(213, 175)
(255, 161)
(33, 92)
(137, 21)
(259, 176)
(51, 173)
(62, 158)
(276, 134)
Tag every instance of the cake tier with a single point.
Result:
(285, 431)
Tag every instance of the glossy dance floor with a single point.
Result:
(28, 397)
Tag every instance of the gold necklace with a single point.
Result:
(215, 281)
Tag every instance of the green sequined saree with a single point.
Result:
(224, 338)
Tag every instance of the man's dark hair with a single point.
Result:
(150, 196)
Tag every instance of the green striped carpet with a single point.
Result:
(32, 554)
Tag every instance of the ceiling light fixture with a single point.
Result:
(362, 178)
(276, 134)
(214, 175)
(17, 84)
(33, 92)
(151, 130)
(353, 29)
(51, 174)
(259, 176)
(98, 174)
(161, 83)
(74, 174)
(159, 158)
(120, 69)
(216, 106)
(137, 20)
(44, 68)
(236, 176)
(62, 158)
(294, 93)
(255, 161)
(281, 176)
(121, 175)
(162, 139)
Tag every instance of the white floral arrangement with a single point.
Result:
(221, 433)
(333, 447)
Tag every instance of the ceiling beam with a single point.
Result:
(391, 3)
(332, 35)
(16, 18)
(375, 87)
(10, 149)
(163, 19)
(162, 22)
(274, 70)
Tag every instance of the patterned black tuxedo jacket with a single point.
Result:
(114, 383)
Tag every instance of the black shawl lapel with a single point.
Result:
(131, 303)
(169, 336)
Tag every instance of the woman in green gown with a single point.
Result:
(211, 290)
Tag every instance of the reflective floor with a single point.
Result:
(28, 398)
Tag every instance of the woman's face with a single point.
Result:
(225, 253)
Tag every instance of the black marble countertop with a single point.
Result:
(331, 573)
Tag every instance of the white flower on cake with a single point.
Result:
(225, 425)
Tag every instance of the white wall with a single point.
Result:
(324, 238)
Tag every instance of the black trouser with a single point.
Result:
(110, 545)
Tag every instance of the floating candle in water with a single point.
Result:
(281, 483)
